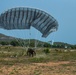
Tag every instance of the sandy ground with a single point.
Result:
(49, 68)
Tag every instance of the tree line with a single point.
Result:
(32, 44)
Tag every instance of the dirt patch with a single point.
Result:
(53, 63)
(49, 68)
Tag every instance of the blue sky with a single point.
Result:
(63, 10)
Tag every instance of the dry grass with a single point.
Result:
(55, 63)
(49, 68)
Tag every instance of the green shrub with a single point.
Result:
(46, 51)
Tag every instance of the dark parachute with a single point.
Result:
(24, 18)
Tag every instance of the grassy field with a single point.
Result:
(14, 61)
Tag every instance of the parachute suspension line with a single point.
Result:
(24, 39)
(42, 40)
(39, 40)
(36, 43)
(12, 35)
(29, 38)
(16, 38)
(21, 41)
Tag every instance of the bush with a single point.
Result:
(46, 51)
(14, 43)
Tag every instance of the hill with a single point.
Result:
(33, 42)
(62, 43)
(6, 38)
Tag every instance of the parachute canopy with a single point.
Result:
(24, 18)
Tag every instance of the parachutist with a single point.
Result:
(31, 52)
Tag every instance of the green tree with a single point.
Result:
(14, 43)
(4, 43)
(47, 45)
